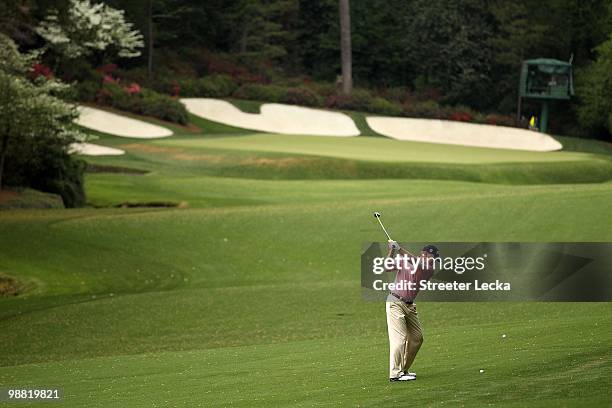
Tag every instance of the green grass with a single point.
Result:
(534, 366)
(28, 198)
(360, 121)
(198, 290)
(181, 166)
(373, 149)
(246, 106)
(210, 128)
(251, 297)
(585, 145)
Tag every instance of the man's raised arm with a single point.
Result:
(392, 248)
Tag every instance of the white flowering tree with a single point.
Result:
(89, 28)
(30, 108)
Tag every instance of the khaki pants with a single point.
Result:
(405, 336)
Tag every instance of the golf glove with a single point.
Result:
(393, 245)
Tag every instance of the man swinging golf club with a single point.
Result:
(404, 327)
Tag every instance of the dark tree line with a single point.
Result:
(468, 50)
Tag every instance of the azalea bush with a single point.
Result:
(358, 100)
(398, 101)
(461, 115)
(427, 109)
(293, 95)
(136, 99)
(39, 69)
(500, 120)
(302, 96)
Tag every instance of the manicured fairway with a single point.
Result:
(534, 365)
(250, 296)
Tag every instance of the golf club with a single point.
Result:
(377, 216)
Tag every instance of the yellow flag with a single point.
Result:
(532, 121)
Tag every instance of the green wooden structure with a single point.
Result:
(545, 79)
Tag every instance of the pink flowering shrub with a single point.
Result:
(40, 70)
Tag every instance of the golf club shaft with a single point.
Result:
(383, 227)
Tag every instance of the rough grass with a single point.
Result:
(28, 198)
(9, 286)
(360, 121)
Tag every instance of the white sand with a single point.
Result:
(275, 118)
(460, 133)
(90, 149)
(118, 125)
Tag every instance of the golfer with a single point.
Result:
(405, 333)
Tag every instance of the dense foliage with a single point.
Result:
(595, 91)
(36, 129)
(131, 97)
(450, 53)
(87, 28)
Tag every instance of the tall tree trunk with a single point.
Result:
(243, 41)
(150, 39)
(345, 47)
(3, 150)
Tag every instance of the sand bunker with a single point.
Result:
(459, 133)
(275, 118)
(118, 125)
(90, 149)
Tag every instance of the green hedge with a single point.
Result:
(388, 102)
(296, 95)
(358, 100)
(145, 102)
(44, 164)
(259, 92)
(86, 91)
(426, 109)
(302, 96)
(382, 106)
(214, 86)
